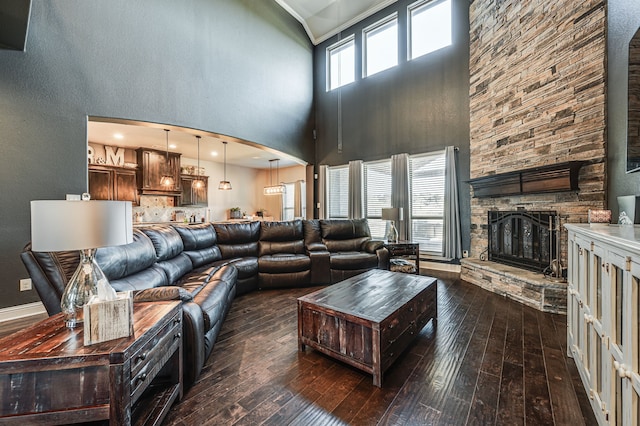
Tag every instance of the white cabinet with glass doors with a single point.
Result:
(603, 318)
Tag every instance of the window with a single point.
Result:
(377, 195)
(429, 27)
(341, 62)
(427, 200)
(287, 201)
(338, 192)
(380, 45)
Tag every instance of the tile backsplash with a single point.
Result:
(161, 209)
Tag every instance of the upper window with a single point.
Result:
(377, 194)
(338, 192)
(429, 26)
(380, 45)
(341, 63)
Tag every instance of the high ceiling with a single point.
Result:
(320, 18)
(325, 18)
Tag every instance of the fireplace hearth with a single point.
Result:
(524, 239)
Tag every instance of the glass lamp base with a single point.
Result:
(80, 288)
(392, 233)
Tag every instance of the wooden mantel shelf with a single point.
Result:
(552, 178)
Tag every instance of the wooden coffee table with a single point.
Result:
(368, 320)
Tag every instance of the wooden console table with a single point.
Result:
(47, 375)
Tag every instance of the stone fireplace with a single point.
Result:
(537, 99)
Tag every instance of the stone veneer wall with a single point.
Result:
(537, 97)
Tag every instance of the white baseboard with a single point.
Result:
(21, 311)
(440, 266)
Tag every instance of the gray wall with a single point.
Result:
(236, 67)
(623, 22)
(418, 106)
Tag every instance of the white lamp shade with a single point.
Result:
(392, 213)
(60, 225)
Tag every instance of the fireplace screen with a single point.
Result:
(524, 239)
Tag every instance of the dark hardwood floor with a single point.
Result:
(488, 360)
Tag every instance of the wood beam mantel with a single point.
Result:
(552, 178)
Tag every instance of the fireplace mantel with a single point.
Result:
(552, 178)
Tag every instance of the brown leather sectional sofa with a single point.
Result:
(208, 265)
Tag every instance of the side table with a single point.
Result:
(47, 375)
(405, 250)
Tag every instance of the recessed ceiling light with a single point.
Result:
(256, 158)
(214, 153)
(118, 136)
(172, 146)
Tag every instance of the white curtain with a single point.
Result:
(322, 191)
(400, 192)
(451, 244)
(355, 189)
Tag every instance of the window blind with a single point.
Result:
(338, 192)
(377, 194)
(427, 200)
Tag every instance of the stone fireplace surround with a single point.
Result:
(536, 98)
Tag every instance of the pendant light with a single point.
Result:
(225, 184)
(198, 183)
(167, 178)
(278, 188)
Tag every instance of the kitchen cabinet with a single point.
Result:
(192, 196)
(153, 165)
(603, 318)
(113, 183)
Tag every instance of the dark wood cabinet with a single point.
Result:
(406, 250)
(152, 166)
(47, 375)
(192, 196)
(113, 183)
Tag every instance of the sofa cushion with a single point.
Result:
(204, 256)
(312, 232)
(238, 239)
(176, 267)
(267, 248)
(195, 237)
(153, 276)
(246, 266)
(353, 260)
(200, 243)
(353, 244)
(125, 260)
(284, 263)
(166, 241)
(281, 231)
(344, 229)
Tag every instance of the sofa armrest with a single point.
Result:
(372, 246)
(320, 266)
(311, 247)
(193, 346)
(156, 294)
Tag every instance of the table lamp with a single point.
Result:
(63, 225)
(392, 215)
